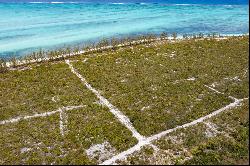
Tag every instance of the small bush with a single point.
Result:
(3, 66)
(14, 61)
(174, 35)
(164, 35)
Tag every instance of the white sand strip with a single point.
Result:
(216, 91)
(63, 122)
(156, 149)
(148, 140)
(124, 154)
(40, 115)
(229, 106)
(118, 114)
(213, 89)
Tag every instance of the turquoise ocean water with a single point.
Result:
(25, 27)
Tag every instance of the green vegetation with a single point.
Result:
(45, 88)
(226, 143)
(3, 67)
(231, 146)
(157, 84)
(162, 86)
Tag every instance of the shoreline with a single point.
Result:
(19, 53)
(23, 61)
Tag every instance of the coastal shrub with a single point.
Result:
(86, 47)
(152, 36)
(76, 49)
(40, 54)
(164, 35)
(33, 55)
(185, 36)
(13, 61)
(3, 67)
(200, 35)
(60, 52)
(92, 45)
(68, 51)
(114, 41)
(143, 37)
(50, 54)
(214, 35)
(56, 53)
(194, 36)
(129, 40)
(104, 42)
(27, 58)
(174, 35)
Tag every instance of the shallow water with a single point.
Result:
(25, 27)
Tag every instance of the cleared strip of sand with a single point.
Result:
(115, 111)
(216, 91)
(147, 141)
(68, 108)
(63, 122)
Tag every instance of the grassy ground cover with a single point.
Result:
(161, 86)
(45, 88)
(221, 140)
(158, 86)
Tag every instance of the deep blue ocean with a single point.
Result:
(27, 25)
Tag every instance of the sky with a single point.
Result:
(147, 1)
